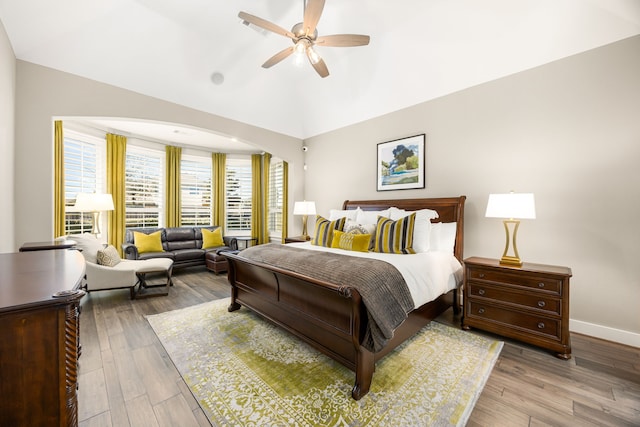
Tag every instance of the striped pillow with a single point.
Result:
(395, 237)
(323, 233)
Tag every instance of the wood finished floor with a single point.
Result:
(127, 379)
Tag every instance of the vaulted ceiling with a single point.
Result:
(419, 50)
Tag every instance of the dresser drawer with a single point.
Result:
(517, 279)
(512, 319)
(531, 300)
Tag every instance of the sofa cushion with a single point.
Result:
(148, 242)
(212, 239)
(89, 246)
(108, 256)
(188, 255)
(151, 255)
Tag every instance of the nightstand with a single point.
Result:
(296, 239)
(528, 303)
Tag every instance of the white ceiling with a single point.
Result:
(419, 50)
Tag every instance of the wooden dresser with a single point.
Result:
(39, 337)
(528, 303)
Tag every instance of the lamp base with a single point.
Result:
(511, 260)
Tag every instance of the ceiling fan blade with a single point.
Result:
(262, 23)
(343, 40)
(312, 13)
(320, 67)
(278, 57)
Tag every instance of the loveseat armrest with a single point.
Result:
(231, 241)
(130, 251)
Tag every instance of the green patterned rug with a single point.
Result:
(246, 372)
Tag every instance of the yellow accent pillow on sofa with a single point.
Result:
(212, 238)
(148, 242)
(351, 241)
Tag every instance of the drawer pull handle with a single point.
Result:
(541, 304)
(481, 311)
(541, 325)
(481, 292)
(541, 284)
(481, 275)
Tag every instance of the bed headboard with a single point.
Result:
(450, 209)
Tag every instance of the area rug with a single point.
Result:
(245, 371)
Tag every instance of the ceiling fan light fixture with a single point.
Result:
(313, 55)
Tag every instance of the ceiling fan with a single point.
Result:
(305, 37)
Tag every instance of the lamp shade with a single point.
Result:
(93, 202)
(304, 208)
(511, 205)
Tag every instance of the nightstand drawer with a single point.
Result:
(515, 320)
(531, 300)
(517, 279)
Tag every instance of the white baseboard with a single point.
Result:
(605, 332)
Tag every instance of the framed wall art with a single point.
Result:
(401, 164)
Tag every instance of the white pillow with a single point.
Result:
(396, 214)
(370, 217)
(89, 246)
(443, 237)
(350, 214)
(354, 227)
(422, 230)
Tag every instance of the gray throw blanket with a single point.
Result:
(383, 289)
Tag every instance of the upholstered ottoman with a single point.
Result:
(215, 261)
(153, 265)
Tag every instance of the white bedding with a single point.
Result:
(428, 274)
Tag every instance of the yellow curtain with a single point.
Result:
(266, 163)
(116, 159)
(58, 181)
(285, 200)
(256, 196)
(172, 193)
(218, 178)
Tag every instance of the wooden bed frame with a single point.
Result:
(329, 317)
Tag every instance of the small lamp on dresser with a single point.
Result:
(305, 209)
(512, 207)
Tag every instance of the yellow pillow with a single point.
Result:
(148, 242)
(351, 241)
(212, 239)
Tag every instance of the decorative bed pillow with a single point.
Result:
(355, 228)
(323, 232)
(108, 256)
(443, 237)
(422, 231)
(395, 237)
(370, 217)
(212, 238)
(148, 242)
(350, 214)
(351, 241)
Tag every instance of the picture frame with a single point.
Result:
(401, 164)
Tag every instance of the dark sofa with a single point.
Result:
(183, 245)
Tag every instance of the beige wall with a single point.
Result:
(7, 101)
(44, 94)
(568, 131)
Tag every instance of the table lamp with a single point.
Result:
(304, 208)
(513, 207)
(94, 203)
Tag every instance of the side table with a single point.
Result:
(247, 242)
(528, 303)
